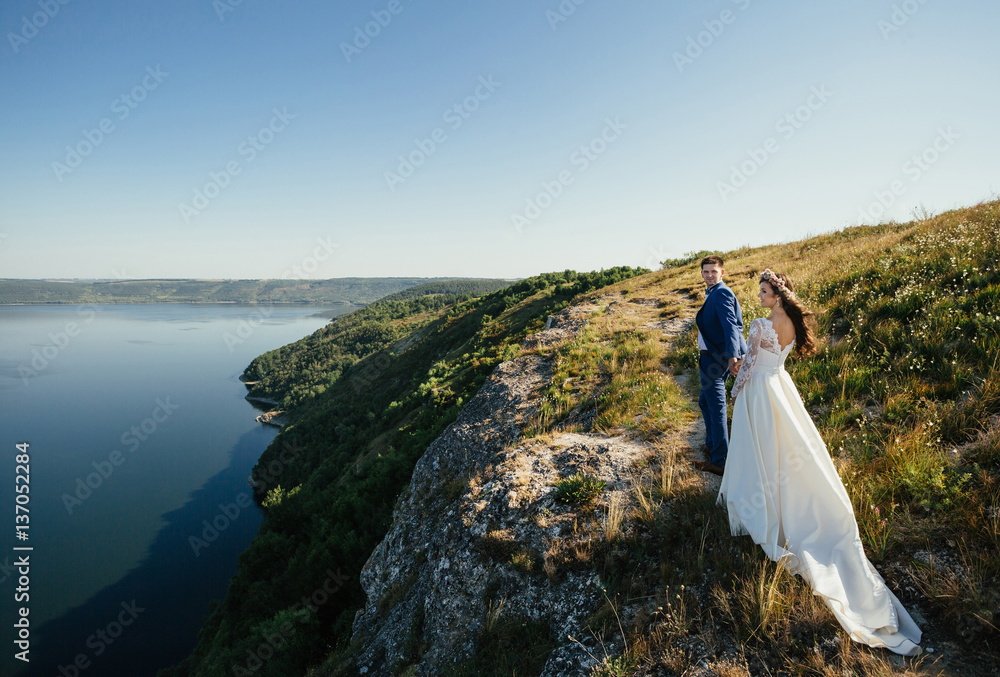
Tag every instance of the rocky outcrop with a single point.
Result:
(478, 535)
(275, 418)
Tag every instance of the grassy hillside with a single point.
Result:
(906, 393)
(330, 478)
(357, 290)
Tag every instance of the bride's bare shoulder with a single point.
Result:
(783, 327)
(780, 323)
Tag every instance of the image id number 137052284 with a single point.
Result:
(22, 524)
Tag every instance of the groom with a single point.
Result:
(720, 340)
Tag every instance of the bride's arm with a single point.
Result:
(746, 367)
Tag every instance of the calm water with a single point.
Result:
(139, 435)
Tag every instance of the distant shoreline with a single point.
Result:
(290, 293)
(200, 303)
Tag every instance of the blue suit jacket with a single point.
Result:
(720, 321)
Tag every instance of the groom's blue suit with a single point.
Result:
(720, 322)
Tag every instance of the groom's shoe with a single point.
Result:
(708, 466)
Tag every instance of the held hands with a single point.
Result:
(734, 365)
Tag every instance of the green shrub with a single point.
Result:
(578, 488)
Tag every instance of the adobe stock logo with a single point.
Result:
(38, 21)
(582, 159)
(308, 265)
(102, 638)
(122, 107)
(915, 168)
(562, 13)
(703, 40)
(222, 7)
(249, 149)
(364, 36)
(454, 117)
(85, 486)
(901, 14)
(227, 515)
(43, 357)
(788, 126)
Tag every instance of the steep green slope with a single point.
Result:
(331, 477)
(307, 367)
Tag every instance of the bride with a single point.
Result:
(781, 487)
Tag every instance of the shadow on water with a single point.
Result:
(164, 600)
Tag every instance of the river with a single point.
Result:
(140, 444)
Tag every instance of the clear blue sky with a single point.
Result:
(868, 86)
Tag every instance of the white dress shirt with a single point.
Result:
(701, 341)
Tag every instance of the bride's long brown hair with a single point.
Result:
(802, 318)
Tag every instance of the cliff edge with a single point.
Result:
(478, 539)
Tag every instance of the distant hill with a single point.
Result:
(356, 290)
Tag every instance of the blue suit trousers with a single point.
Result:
(712, 401)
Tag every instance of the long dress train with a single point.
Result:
(781, 487)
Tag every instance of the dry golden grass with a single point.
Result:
(566, 554)
(646, 505)
(612, 522)
(729, 667)
(891, 410)
(853, 659)
(611, 369)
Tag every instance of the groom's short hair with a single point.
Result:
(708, 260)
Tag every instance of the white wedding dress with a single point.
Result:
(782, 489)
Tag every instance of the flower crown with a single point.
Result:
(775, 281)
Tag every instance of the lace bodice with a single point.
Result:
(765, 353)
